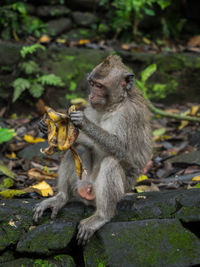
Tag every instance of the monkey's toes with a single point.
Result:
(54, 212)
(38, 211)
(84, 234)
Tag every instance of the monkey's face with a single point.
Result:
(109, 83)
(98, 94)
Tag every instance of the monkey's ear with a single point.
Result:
(129, 79)
(88, 76)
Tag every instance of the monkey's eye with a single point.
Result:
(99, 85)
(91, 82)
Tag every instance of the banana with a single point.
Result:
(62, 134)
(52, 133)
(78, 163)
(71, 136)
(54, 115)
(72, 108)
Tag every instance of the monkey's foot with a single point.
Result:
(54, 203)
(87, 227)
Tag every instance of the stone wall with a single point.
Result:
(179, 72)
(149, 229)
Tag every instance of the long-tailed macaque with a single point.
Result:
(114, 144)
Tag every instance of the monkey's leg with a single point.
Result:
(67, 185)
(109, 190)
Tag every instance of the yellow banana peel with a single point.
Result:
(62, 134)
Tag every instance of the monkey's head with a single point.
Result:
(109, 82)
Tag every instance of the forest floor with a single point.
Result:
(175, 162)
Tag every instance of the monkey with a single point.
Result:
(114, 143)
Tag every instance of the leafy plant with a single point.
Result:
(141, 84)
(128, 13)
(33, 79)
(145, 74)
(6, 134)
(15, 22)
(155, 90)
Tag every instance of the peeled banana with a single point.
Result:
(62, 134)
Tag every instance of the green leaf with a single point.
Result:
(140, 85)
(50, 79)
(36, 89)
(10, 193)
(149, 12)
(30, 67)
(6, 134)
(72, 86)
(197, 186)
(159, 132)
(7, 183)
(5, 170)
(163, 3)
(31, 49)
(71, 96)
(19, 85)
(145, 74)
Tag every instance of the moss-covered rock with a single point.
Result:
(64, 261)
(149, 229)
(47, 237)
(145, 243)
(57, 26)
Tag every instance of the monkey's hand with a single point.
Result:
(78, 118)
(43, 127)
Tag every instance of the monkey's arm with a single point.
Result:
(111, 143)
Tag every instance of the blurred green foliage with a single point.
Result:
(126, 16)
(156, 90)
(31, 77)
(128, 13)
(15, 22)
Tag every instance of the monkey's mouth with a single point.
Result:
(97, 99)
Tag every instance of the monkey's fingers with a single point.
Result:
(77, 117)
(43, 127)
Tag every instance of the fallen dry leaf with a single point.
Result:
(183, 124)
(43, 188)
(84, 41)
(44, 39)
(196, 178)
(142, 177)
(40, 175)
(12, 223)
(31, 139)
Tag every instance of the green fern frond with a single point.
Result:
(30, 67)
(19, 85)
(36, 89)
(50, 79)
(31, 49)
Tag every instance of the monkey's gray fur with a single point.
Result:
(114, 144)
